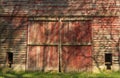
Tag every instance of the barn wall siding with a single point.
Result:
(106, 36)
(13, 39)
(64, 7)
(97, 37)
(57, 35)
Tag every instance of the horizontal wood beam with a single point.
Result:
(70, 44)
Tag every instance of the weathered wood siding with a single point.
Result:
(106, 39)
(13, 38)
(62, 7)
(42, 34)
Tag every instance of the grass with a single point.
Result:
(13, 74)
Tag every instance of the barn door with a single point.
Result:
(61, 46)
(76, 46)
(42, 46)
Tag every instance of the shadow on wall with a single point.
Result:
(12, 35)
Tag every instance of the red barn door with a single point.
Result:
(42, 49)
(76, 46)
(59, 46)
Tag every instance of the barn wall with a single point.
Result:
(60, 30)
(106, 38)
(64, 7)
(13, 38)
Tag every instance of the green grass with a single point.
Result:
(13, 74)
